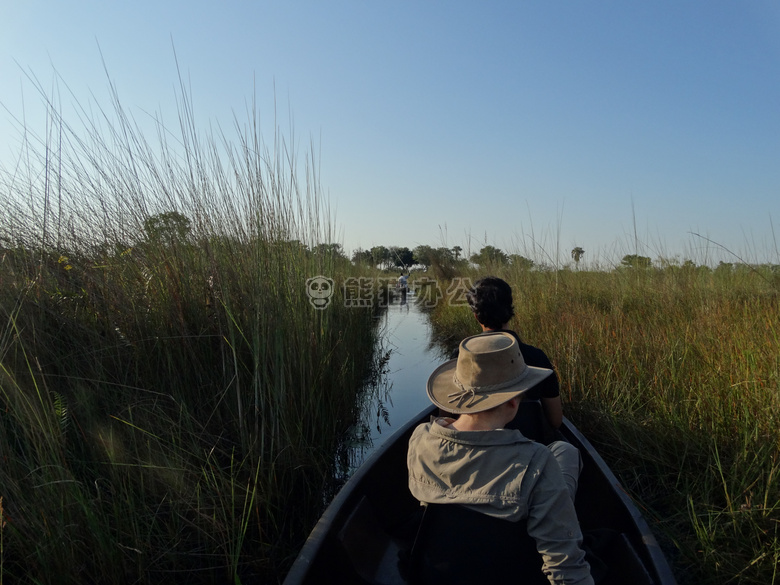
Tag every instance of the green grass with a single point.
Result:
(675, 376)
(170, 401)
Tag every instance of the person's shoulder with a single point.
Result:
(422, 427)
(435, 423)
(418, 435)
(534, 356)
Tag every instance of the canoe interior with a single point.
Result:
(358, 538)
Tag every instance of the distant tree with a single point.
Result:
(444, 255)
(402, 257)
(635, 261)
(424, 255)
(331, 249)
(457, 250)
(297, 245)
(443, 264)
(381, 256)
(167, 228)
(520, 262)
(361, 256)
(577, 254)
(668, 263)
(489, 255)
(724, 268)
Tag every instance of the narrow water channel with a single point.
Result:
(399, 393)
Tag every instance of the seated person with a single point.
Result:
(474, 462)
(490, 299)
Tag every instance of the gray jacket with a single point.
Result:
(503, 474)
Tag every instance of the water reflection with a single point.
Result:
(406, 357)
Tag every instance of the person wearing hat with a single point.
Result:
(490, 299)
(475, 462)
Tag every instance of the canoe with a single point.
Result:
(361, 537)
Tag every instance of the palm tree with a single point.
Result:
(576, 254)
(457, 250)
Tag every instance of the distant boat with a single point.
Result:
(361, 537)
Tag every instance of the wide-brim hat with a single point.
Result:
(489, 371)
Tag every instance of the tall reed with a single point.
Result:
(674, 374)
(170, 400)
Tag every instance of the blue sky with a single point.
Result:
(534, 126)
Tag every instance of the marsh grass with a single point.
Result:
(170, 401)
(674, 374)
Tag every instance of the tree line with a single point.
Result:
(427, 256)
(172, 227)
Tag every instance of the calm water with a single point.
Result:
(399, 394)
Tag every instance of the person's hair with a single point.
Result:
(491, 301)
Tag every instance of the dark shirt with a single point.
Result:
(533, 356)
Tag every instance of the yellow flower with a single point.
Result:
(64, 260)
